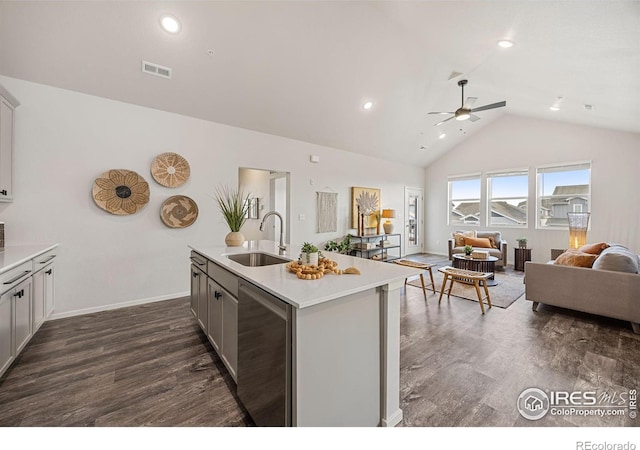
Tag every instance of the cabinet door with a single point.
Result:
(214, 331)
(49, 290)
(195, 289)
(39, 307)
(230, 332)
(203, 307)
(6, 335)
(22, 302)
(6, 150)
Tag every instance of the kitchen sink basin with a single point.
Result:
(257, 259)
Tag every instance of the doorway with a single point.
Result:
(414, 220)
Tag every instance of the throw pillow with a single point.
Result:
(576, 258)
(492, 241)
(459, 236)
(618, 259)
(594, 249)
(477, 242)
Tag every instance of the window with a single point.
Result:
(562, 189)
(508, 193)
(464, 200)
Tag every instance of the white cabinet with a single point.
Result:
(43, 295)
(8, 104)
(214, 332)
(6, 331)
(22, 308)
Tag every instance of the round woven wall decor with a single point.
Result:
(120, 192)
(178, 211)
(170, 169)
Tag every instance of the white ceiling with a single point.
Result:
(302, 69)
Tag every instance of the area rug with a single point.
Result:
(508, 290)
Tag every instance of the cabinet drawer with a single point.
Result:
(12, 277)
(42, 260)
(199, 261)
(223, 277)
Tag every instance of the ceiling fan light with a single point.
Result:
(463, 116)
(505, 43)
(554, 108)
(442, 136)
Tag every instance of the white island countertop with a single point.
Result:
(277, 280)
(14, 255)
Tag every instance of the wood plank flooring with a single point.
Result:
(150, 365)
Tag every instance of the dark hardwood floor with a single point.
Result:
(150, 365)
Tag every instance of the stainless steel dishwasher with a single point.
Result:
(264, 356)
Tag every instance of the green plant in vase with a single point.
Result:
(234, 205)
(522, 242)
(309, 254)
(467, 250)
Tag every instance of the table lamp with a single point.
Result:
(388, 214)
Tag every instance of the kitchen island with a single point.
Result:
(342, 337)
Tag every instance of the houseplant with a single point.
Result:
(467, 250)
(340, 247)
(234, 205)
(522, 242)
(310, 254)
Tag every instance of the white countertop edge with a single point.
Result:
(29, 251)
(257, 275)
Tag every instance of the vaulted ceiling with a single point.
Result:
(303, 69)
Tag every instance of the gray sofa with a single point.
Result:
(604, 292)
(500, 252)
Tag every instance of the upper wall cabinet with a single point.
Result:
(8, 104)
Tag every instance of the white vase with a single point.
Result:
(234, 239)
(309, 259)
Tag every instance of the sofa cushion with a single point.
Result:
(576, 258)
(618, 259)
(459, 236)
(477, 242)
(496, 235)
(594, 249)
(493, 242)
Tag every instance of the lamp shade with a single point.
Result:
(388, 213)
(578, 225)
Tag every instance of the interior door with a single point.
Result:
(413, 220)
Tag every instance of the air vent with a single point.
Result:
(156, 69)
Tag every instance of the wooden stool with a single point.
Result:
(418, 265)
(467, 277)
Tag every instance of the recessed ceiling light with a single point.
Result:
(505, 43)
(442, 136)
(170, 24)
(554, 108)
(556, 105)
(367, 105)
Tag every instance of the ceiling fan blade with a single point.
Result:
(491, 106)
(473, 118)
(470, 102)
(445, 120)
(440, 113)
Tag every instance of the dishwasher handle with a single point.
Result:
(274, 305)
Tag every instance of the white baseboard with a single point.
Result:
(392, 420)
(80, 312)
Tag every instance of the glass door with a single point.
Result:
(414, 222)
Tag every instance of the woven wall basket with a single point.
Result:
(170, 169)
(121, 192)
(178, 211)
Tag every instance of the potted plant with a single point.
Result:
(467, 250)
(522, 242)
(234, 205)
(310, 254)
(340, 247)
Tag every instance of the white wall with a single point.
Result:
(514, 142)
(64, 140)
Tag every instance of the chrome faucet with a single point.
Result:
(281, 247)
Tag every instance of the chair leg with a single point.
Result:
(486, 291)
(444, 284)
(475, 284)
(424, 289)
(534, 307)
(450, 287)
(431, 276)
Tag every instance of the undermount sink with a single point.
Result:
(257, 259)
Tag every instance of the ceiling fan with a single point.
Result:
(464, 112)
